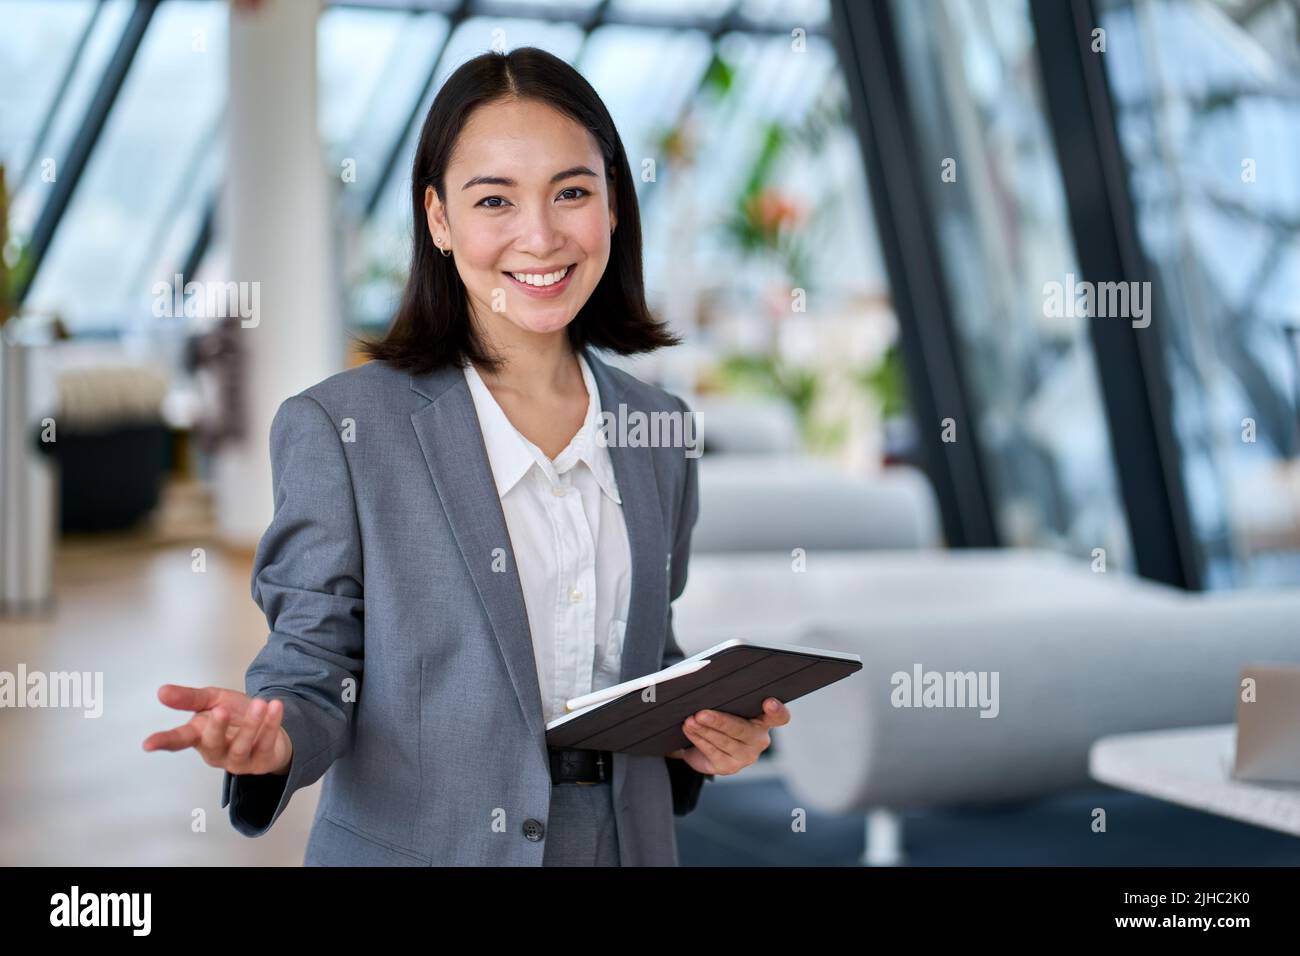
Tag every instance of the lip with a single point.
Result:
(544, 292)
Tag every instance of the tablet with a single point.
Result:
(739, 676)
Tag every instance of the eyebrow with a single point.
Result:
(503, 181)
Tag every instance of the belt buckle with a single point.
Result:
(600, 771)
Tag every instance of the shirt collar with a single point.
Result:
(511, 455)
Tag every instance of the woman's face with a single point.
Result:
(527, 217)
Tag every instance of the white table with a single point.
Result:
(1192, 766)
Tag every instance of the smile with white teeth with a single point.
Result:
(549, 278)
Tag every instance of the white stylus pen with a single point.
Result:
(618, 690)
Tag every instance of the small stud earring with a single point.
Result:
(438, 243)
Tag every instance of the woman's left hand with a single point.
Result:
(725, 743)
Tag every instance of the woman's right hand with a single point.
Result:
(230, 730)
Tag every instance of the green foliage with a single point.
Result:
(768, 375)
(15, 257)
(888, 382)
(762, 219)
(719, 77)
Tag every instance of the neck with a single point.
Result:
(533, 364)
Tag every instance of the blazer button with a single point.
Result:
(533, 829)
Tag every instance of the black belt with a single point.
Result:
(580, 766)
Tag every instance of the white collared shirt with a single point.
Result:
(565, 520)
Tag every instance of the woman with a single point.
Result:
(454, 551)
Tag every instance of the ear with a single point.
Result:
(434, 214)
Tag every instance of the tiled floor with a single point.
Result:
(77, 790)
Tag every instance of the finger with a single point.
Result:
(775, 714)
(724, 743)
(250, 724)
(717, 756)
(729, 724)
(178, 738)
(213, 743)
(266, 737)
(182, 697)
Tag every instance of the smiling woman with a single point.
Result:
(547, 234)
(521, 182)
(469, 556)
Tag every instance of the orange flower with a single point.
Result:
(771, 211)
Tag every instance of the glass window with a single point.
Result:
(768, 108)
(695, 9)
(46, 83)
(616, 61)
(1207, 97)
(372, 65)
(543, 7)
(795, 13)
(747, 173)
(990, 172)
(143, 192)
(32, 70)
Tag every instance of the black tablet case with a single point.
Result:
(737, 680)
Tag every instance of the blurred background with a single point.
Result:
(854, 214)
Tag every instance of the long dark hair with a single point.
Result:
(432, 327)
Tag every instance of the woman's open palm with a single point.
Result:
(229, 729)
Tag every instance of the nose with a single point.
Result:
(539, 232)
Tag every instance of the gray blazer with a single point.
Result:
(403, 658)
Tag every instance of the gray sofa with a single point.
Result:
(758, 502)
(1078, 654)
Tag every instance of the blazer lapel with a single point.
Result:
(638, 486)
(451, 440)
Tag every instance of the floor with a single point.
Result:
(84, 791)
(746, 823)
(80, 790)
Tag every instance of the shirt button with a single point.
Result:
(533, 829)
(575, 595)
(558, 490)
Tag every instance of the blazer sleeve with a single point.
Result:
(307, 579)
(686, 780)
